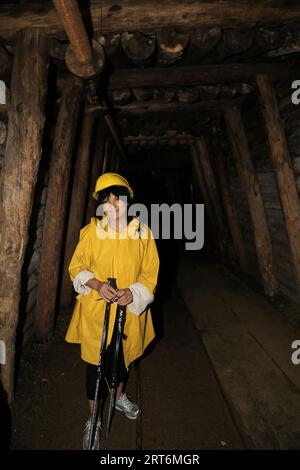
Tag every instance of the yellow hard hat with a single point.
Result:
(111, 179)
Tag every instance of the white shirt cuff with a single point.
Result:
(81, 279)
(141, 298)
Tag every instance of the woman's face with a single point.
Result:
(114, 207)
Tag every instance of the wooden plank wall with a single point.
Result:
(253, 123)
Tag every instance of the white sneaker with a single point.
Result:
(123, 404)
(86, 434)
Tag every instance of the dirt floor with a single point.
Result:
(182, 401)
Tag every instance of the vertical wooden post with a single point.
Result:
(19, 175)
(97, 165)
(56, 207)
(212, 191)
(204, 191)
(232, 215)
(283, 168)
(78, 203)
(251, 187)
(113, 159)
(107, 153)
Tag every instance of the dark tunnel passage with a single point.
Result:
(165, 176)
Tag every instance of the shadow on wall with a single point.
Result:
(5, 420)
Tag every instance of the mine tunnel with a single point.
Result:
(196, 105)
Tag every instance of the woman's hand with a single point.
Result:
(125, 296)
(106, 292)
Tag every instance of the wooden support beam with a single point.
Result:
(135, 15)
(250, 184)
(197, 75)
(204, 189)
(107, 153)
(212, 191)
(113, 159)
(19, 175)
(85, 60)
(283, 167)
(231, 212)
(58, 185)
(180, 140)
(82, 59)
(97, 164)
(149, 107)
(116, 137)
(78, 202)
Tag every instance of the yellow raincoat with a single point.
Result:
(130, 256)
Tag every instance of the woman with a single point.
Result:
(120, 247)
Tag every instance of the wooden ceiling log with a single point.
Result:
(291, 45)
(121, 96)
(267, 38)
(198, 74)
(111, 43)
(171, 45)
(163, 94)
(232, 43)
(142, 94)
(207, 92)
(188, 95)
(138, 47)
(164, 140)
(203, 40)
(175, 106)
(155, 14)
